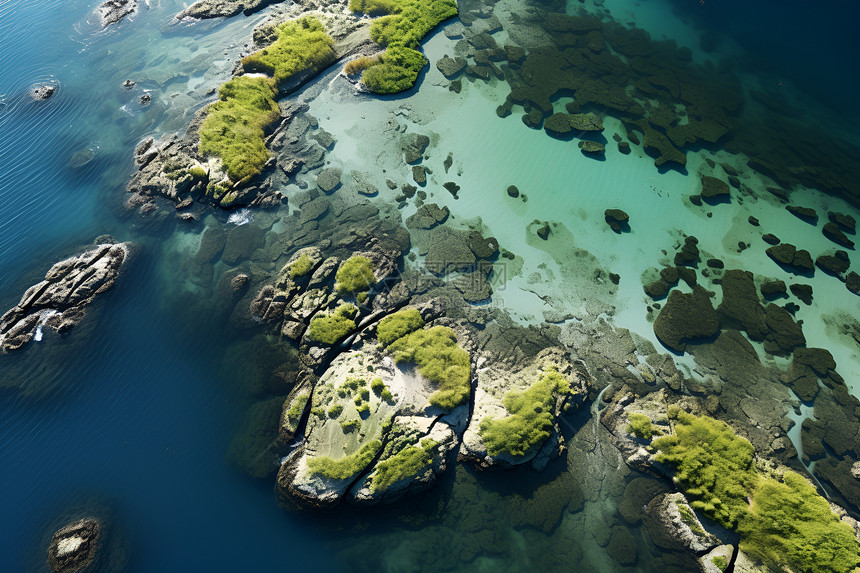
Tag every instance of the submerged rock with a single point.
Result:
(591, 147)
(685, 318)
(451, 67)
(59, 301)
(74, 546)
(714, 190)
(847, 222)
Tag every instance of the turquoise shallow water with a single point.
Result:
(137, 408)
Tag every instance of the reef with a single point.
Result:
(112, 11)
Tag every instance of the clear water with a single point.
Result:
(140, 406)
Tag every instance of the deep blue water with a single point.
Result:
(141, 414)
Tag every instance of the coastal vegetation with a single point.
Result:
(398, 325)
(640, 426)
(406, 463)
(345, 467)
(355, 275)
(236, 124)
(301, 45)
(294, 414)
(530, 419)
(401, 30)
(440, 360)
(301, 266)
(331, 328)
(782, 520)
(235, 127)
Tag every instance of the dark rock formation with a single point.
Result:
(803, 213)
(42, 91)
(685, 318)
(792, 259)
(832, 231)
(714, 190)
(329, 179)
(773, 288)
(427, 216)
(847, 222)
(852, 282)
(689, 253)
(74, 546)
(834, 264)
(513, 191)
(59, 301)
(414, 145)
(770, 239)
(803, 292)
(451, 67)
(617, 219)
(592, 147)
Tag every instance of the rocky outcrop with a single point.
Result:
(74, 546)
(832, 231)
(203, 9)
(112, 11)
(617, 219)
(672, 524)
(495, 392)
(791, 258)
(714, 190)
(59, 302)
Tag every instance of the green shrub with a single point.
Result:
(398, 325)
(364, 393)
(294, 414)
(720, 562)
(713, 465)
(640, 426)
(377, 385)
(358, 401)
(350, 426)
(235, 125)
(358, 65)
(301, 45)
(530, 421)
(396, 70)
(348, 466)
(331, 328)
(301, 266)
(414, 20)
(440, 361)
(406, 463)
(362, 409)
(790, 525)
(354, 275)
(407, 23)
(335, 410)
(373, 7)
(386, 395)
(198, 173)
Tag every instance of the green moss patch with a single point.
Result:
(235, 126)
(530, 421)
(294, 414)
(440, 360)
(354, 275)
(788, 525)
(791, 526)
(301, 266)
(331, 328)
(348, 466)
(401, 31)
(714, 465)
(301, 45)
(398, 325)
(640, 426)
(406, 463)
